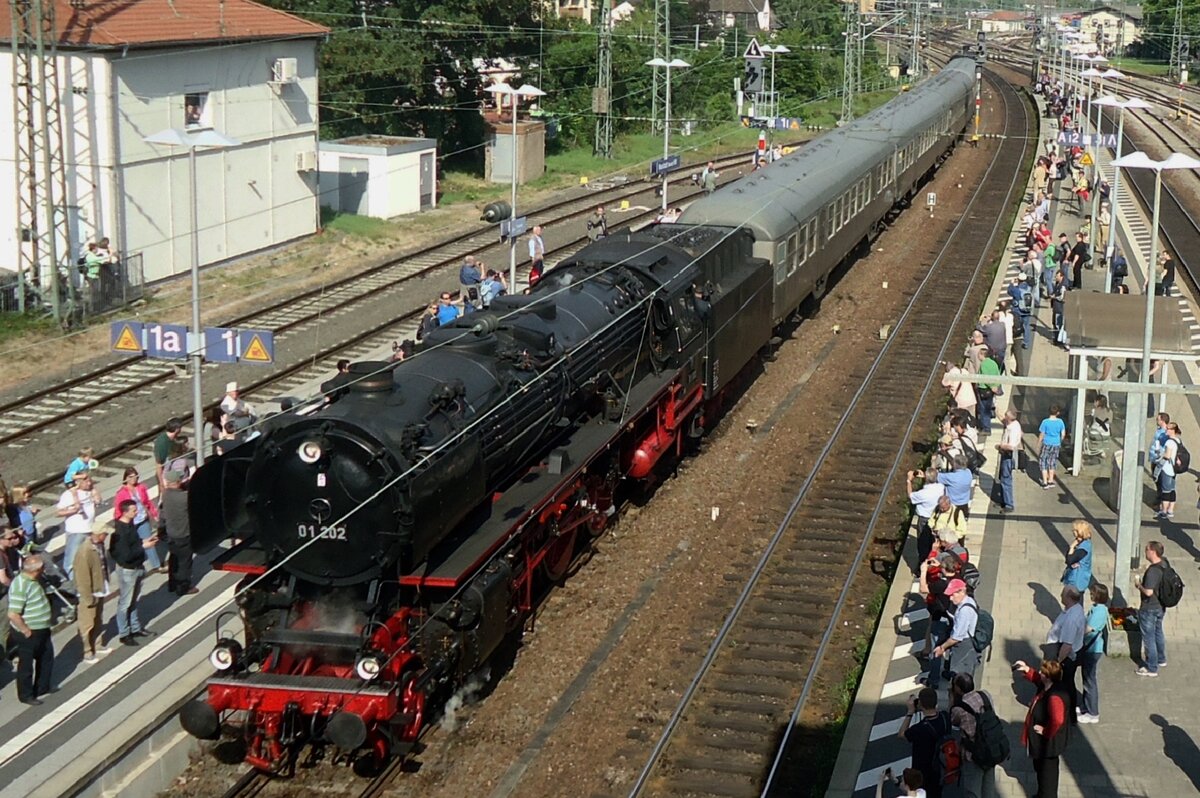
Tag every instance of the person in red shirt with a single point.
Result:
(1047, 729)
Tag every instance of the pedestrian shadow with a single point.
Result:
(1175, 534)
(1045, 602)
(1180, 749)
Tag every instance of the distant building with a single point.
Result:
(751, 15)
(1004, 22)
(574, 9)
(1109, 27)
(132, 69)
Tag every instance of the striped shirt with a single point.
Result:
(27, 598)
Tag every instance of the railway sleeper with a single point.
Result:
(698, 785)
(695, 763)
(746, 706)
(746, 725)
(758, 670)
(760, 653)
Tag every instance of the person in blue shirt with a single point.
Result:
(469, 277)
(493, 285)
(1159, 441)
(1051, 435)
(447, 311)
(1078, 573)
(1095, 638)
(958, 483)
(84, 462)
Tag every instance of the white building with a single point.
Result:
(129, 70)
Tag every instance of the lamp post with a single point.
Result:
(773, 50)
(1089, 73)
(210, 139)
(1113, 102)
(1129, 514)
(674, 63)
(514, 95)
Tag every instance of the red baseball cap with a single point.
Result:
(955, 586)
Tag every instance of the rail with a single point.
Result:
(739, 680)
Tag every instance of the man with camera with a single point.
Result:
(925, 501)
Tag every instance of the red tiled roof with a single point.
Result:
(1007, 16)
(142, 23)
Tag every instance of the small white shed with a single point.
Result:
(381, 176)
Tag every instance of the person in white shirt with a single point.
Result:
(77, 508)
(925, 501)
(1009, 446)
(537, 254)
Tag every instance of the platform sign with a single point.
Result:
(664, 165)
(786, 122)
(1074, 138)
(166, 341)
(126, 336)
(756, 122)
(220, 345)
(511, 228)
(1086, 160)
(256, 346)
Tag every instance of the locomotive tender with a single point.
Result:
(394, 537)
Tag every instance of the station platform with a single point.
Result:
(112, 727)
(1144, 743)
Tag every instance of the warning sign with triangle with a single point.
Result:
(258, 346)
(753, 50)
(1086, 160)
(126, 336)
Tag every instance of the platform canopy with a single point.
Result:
(1114, 325)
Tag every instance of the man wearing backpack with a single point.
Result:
(984, 743)
(925, 729)
(1022, 299)
(960, 648)
(1161, 588)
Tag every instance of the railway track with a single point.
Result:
(135, 380)
(45, 410)
(736, 731)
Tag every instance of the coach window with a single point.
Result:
(802, 245)
(831, 219)
(811, 233)
(793, 254)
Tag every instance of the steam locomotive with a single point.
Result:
(394, 537)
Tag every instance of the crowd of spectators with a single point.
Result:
(1065, 680)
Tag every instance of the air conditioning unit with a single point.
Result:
(283, 70)
(306, 161)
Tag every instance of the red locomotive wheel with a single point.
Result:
(559, 553)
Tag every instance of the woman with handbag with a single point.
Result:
(1095, 643)
(147, 513)
(1078, 573)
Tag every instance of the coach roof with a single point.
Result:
(773, 201)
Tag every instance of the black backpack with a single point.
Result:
(1170, 587)
(1183, 459)
(970, 575)
(975, 458)
(985, 627)
(990, 746)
